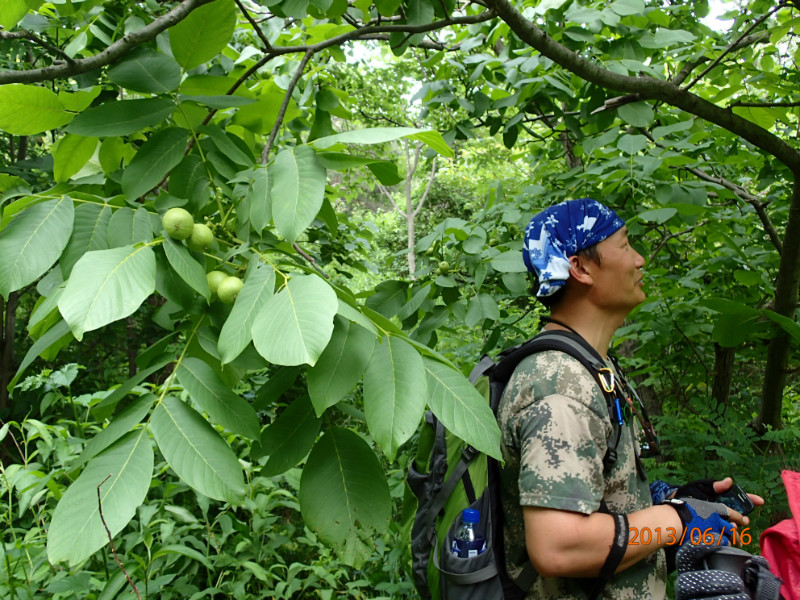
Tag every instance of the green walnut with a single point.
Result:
(214, 278)
(229, 288)
(444, 267)
(201, 238)
(178, 223)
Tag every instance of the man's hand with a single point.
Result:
(699, 518)
(724, 485)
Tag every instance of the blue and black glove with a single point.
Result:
(703, 521)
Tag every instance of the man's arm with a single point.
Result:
(569, 544)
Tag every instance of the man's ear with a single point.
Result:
(578, 269)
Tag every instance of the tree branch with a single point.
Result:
(752, 200)
(285, 105)
(733, 46)
(386, 193)
(29, 35)
(254, 25)
(648, 88)
(742, 42)
(671, 236)
(107, 56)
(766, 104)
(427, 188)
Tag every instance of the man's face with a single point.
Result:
(617, 280)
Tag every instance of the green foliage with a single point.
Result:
(222, 424)
(179, 544)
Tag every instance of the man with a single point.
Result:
(567, 514)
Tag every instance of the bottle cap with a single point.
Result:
(470, 515)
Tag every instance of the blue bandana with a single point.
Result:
(561, 231)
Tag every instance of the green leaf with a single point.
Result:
(394, 393)
(88, 233)
(196, 452)
(203, 33)
(127, 227)
(54, 337)
(658, 215)
(483, 306)
(341, 364)
(294, 326)
(344, 496)
(788, 325)
(33, 241)
(107, 285)
(763, 117)
(353, 314)
(290, 437)
(632, 144)
(259, 199)
(122, 424)
(218, 102)
(184, 551)
(11, 12)
(461, 408)
(30, 109)
(389, 297)
(509, 262)
(226, 145)
(637, 114)
(212, 395)
(298, 187)
(664, 38)
(104, 409)
(191, 271)
(237, 333)
(380, 135)
(732, 330)
(385, 171)
(124, 470)
(730, 307)
(147, 71)
(625, 8)
(122, 117)
(157, 157)
(70, 153)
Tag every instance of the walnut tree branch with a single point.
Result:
(285, 105)
(733, 46)
(107, 56)
(648, 88)
(29, 35)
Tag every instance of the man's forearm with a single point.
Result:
(567, 544)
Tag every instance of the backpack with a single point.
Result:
(448, 476)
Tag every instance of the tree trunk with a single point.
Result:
(9, 312)
(723, 370)
(412, 258)
(769, 414)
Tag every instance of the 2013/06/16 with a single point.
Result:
(646, 535)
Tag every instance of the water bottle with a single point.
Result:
(467, 541)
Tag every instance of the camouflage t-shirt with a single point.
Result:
(555, 424)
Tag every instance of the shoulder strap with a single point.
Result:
(574, 345)
(563, 341)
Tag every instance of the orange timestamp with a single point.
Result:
(669, 536)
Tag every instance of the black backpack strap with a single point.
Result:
(574, 345)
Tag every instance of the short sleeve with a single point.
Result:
(561, 461)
